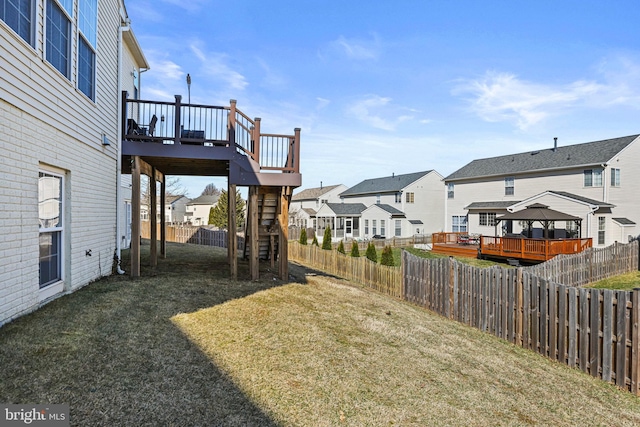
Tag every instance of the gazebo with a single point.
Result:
(527, 248)
(538, 212)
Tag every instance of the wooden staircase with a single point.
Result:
(268, 211)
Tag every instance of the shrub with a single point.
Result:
(355, 251)
(326, 239)
(387, 256)
(341, 247)
(315, 241)
(371, 252)
(303, 236)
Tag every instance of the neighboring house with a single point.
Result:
(305, 204)
(595, 181)
(176, 209)
(197, 210)
(59, 147)
(342, 218)
(399, 205)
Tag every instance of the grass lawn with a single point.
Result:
(183, 346)
(623, 282)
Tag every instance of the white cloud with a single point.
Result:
(216, 65)
(503, 97)
(354, 49)
(377, 112)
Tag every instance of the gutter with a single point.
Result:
(117, 256)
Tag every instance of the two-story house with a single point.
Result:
(396, 205)
(594, 181)
(59, 151)
(197, 210)
(305, 204)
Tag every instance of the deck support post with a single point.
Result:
(163, 215)
(254, 235)
(135, 217)
(283, 234)
(153, 191)
(232, 242)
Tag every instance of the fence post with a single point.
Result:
(519, 308)
(451, 287)
(635, 342)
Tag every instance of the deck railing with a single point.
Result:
(193, 124)
(531, 249)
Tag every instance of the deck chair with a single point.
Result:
(152, 125)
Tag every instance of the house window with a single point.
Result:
(409, 198)
(398, 197)
(450, 190)
(375, 229)
(58, 35)
(459, 223)
(509, 186)
(601, 229)
(366, 227)
(88, 21)
(488, 218)
(50, 212)
(383, 230)
(377, 199)
(593, 177)
(615, 177)
(398, 232)
(18, 14)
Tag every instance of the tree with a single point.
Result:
(371, 252)
(387, 256)
(303, 236)
(355, 251)
(211, 190)
(315, 241)
(341, 247)
(326, 239)
(219, 214)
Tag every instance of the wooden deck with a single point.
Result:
(531, 250)
(455, 244)
(523, 249)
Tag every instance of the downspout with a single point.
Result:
(121, 29)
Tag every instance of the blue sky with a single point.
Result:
(384, 87)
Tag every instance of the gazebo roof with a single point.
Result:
(538, 212)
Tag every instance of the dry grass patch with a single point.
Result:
(184, 345)
(327, 353)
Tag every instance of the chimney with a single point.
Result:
(555, 143)
(321, 185)
(393, 174)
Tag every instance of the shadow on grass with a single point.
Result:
(111, 352)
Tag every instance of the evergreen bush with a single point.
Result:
(341, 247)
(326, 239)
(355, 251)
(371, 252)
(387, 256)
(303, 236)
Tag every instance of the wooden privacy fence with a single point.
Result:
(192, 234)
(591, 265)
(594, 330)
(362, 270)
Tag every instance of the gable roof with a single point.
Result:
(204, 200)
(582, 199)
(313, 193)
(395, 213)
(500, 204)
(590, 153)
(387, 184)
(346, 208)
